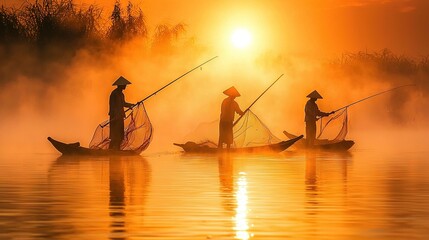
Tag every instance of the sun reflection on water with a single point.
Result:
(241, 222)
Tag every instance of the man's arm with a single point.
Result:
(238, 110)
(128, 105)
(325, 114)
(322, 114)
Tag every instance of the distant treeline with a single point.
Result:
(62, 23)
(38, 37)
(384, 66)
(385, 61)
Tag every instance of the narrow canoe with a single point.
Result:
(191, 147)
(322, 144)
(76, 149)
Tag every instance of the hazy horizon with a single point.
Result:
(66, 100)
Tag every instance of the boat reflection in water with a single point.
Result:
(117, 198)
(293, 195)
(123, 179)
(234, 195)
(311, 182)
(325, 191)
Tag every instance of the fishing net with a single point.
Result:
(205, 134)
(249, 131)
(137, 132)
(330, 128)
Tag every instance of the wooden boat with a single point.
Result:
(324, 144)
(192, 147)
(76, 149)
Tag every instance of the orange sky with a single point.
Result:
(305, 26)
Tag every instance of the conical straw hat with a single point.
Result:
(232, 92)
(121, 81)
(314, 94)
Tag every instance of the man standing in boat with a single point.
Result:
(228, 110)
(312, 114)
(117, 114)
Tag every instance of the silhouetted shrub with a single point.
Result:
(128, 27)
(165, 35)
(11, 28)
(60, 22)
(384, 61)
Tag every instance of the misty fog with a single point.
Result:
(62, 91)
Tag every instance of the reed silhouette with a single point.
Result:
(388, 69)
(129, 26)
(48, 22)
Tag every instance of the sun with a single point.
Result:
(241, 38)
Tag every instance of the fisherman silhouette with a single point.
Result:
(117, 114)
(312, 114)
(228, 109)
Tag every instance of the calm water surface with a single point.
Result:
(293, 195)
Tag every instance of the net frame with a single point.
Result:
(138, 132)
(344, 128)
(250, 131)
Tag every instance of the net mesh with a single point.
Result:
(330, 128)
(250, 131)
(137, 132)
(205, 134)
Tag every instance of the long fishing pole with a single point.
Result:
(247, 109)
(173, 82)
(353, 103)
(154, 93)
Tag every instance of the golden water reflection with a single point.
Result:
(116, 184)
(235, 196)
(290, 196)
(241, 222)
